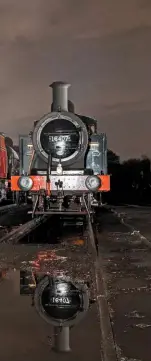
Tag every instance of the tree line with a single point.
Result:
(130, 180)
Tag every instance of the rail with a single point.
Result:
(10, 207)
(7, 208)
(16, 234)
(108, 349)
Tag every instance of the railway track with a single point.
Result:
(15, 235)
(11, 216)
(11, 209)
(7, 208)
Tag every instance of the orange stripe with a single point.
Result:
(40, 182)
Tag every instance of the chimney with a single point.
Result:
(60, 96)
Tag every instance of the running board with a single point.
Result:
(74, 213)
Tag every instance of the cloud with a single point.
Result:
(141, 104)
(144, 3)
(58, 18)
(130, 127)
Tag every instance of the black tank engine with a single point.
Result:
(69, 160)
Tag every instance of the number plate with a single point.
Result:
(59, 138)
(60, 300)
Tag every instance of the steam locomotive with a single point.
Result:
(9, 163)
(68, 165)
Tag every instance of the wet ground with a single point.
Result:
(139, 218)
(26, 335)
(125, 266)
(126, 262)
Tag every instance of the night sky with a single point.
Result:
(101, 47)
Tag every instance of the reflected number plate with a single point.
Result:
(60, 300)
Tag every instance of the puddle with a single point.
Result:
(25, 336)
